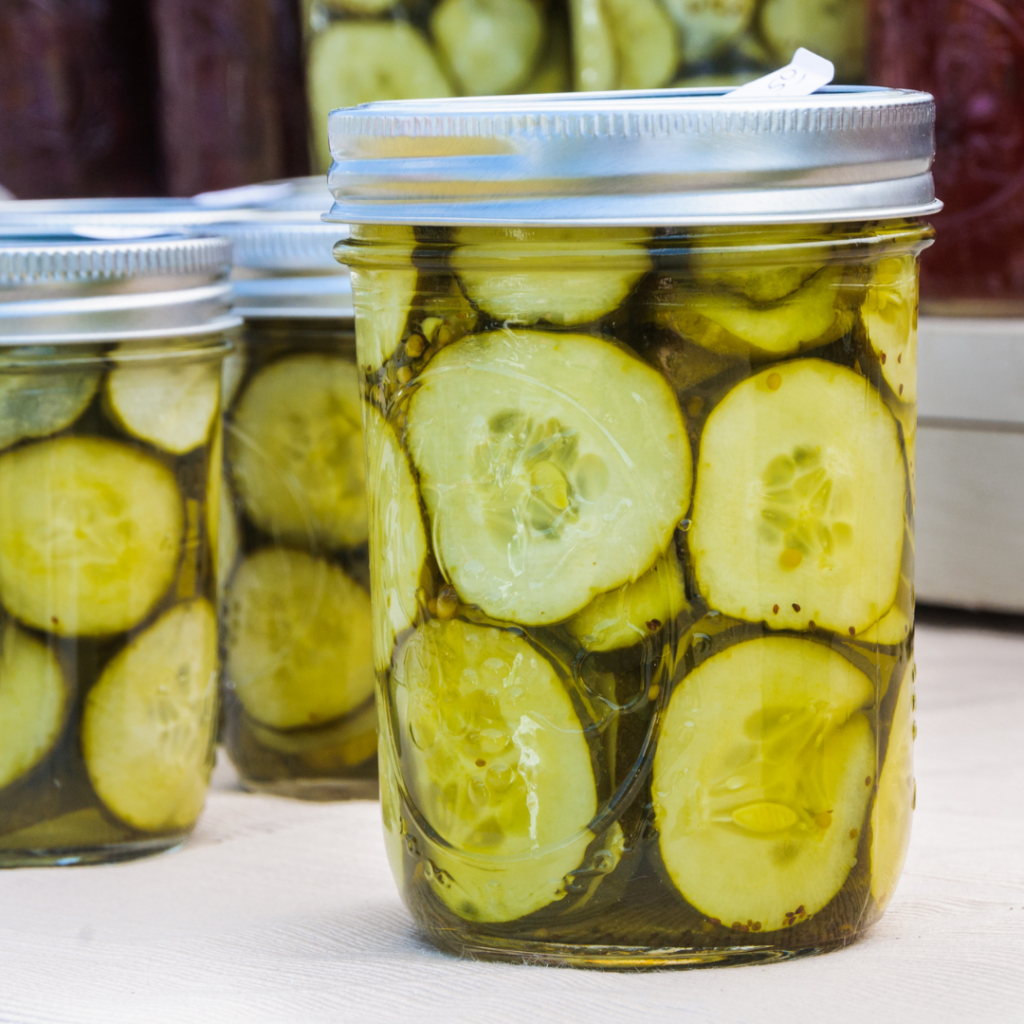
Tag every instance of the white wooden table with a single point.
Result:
(282, 911)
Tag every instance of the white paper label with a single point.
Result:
(804, 74)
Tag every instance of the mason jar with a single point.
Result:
(299, 714)
(639, 382)
(110, 431)
(646, 44)
(362, 50)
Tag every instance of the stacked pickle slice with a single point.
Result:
(108, 654)
(642, 519)
(647, 44)
(300, 715)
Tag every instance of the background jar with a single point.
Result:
(110, 424)
(648, 44)
(299, 711)
(640, 474)
(388, 49)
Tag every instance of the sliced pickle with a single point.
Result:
(835, 29)
(785, 528)
(353, 62)
(90, 536)
(345, 744)
(596, 57)
(148, 724)
(496, 760)
(646, 42)
(361, 6)
(33, 702)
(889, 315)
(170, 406)
(764, 265)
(761, 781)
(297, 643)
(491, 46)
(89, 827)
(635, 611)
(39, 404)
(489, 262)
(383, 298)
(707, 28)
(730, 324)
(233, 369)
(398, 540)
(894, 804)
(554, 468)
(295, 447)
(894, 626)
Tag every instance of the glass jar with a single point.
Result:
(363, 50)
(110, 427)
(299, 714)
(645, 44)
(970, 54)
(640, 475)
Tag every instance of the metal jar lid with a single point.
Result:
(60, 289)
(668, 157)
(310, 297)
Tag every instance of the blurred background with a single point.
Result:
(107, 98)
(175, 97)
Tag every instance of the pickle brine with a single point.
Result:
(641, 521)
(108, 650)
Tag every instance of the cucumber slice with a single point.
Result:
(707, 28)
(554, 467)
(171, 407)
(344, 744)
(889, 315)
(497, 762)
(730, 324)
(236, 362)
(353, 62)
(398, 540)
(761, 781)
(491, 46)
(835, 29)
(33, 703)
(894, 804)
(798, 515)
(148, 726)
(39, 404)
(595, 56)
(383, 300)
(893, 627)
(90, 536)
(764, 265)
(297, 643)
(646, 42)
(489, 264)
(295, 448)
(635, 611)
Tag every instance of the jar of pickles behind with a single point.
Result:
(639, 377)
(362, 50)
(110, 425)
(299, 715)
(646, 44)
